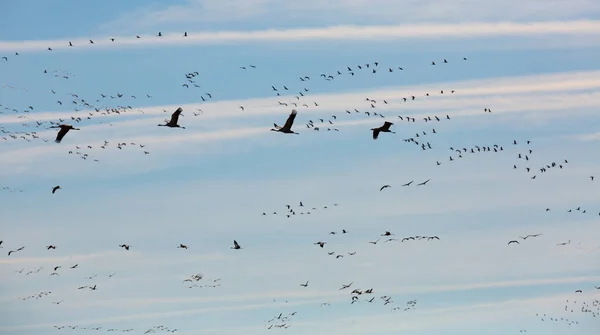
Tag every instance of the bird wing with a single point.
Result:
(376, 133)
(61, 133)
(236, 244)
(384, 186)
(175, 115)
(386, 125)
(290, 120)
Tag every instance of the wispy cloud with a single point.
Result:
(546, 97)
(347, 32)
(200, 12)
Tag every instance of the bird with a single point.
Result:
(50, 247)
(530, 235)
(236, 245)
(513, 241)
(182, 246)
(383, 129)
(408, 184)
(287, 127)
(384, 186)
(55, 188)
(425, 182)
(346, 286)
(305, 284)
(64, 129)
(174, 119)
(19, 249)
(126, 246)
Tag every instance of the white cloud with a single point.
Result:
(541, 98)
(588, 28)
(203, 12)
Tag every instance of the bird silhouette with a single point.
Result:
(174, 119)
(383, 129)
(64, 129)
(287, 127)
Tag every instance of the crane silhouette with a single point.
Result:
(64, 129)
(174, 119)
(383, 129)
(287, 127)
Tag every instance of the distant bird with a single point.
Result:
(287, 127)
(384, 186)
(578, 291)
(174, 119)
(64, 129)
(50, 247)
(55, 188)
(383, 129)
(19, 249)
(513, 241)
(408, 184)
(182, 246)
(346, 286)
(425, 182)
(305, 284)
(236, 245)
(126, 246)
(530, 235)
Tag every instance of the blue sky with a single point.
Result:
(208, 184)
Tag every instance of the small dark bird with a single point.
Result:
(408, 184)
(513, 241)
(305, 284)
(19, 249)
(425, 182)
(64, 129)
(384, 186)
(383, 129)
(126, 246)
(174, 119)
(50, 247)
(236, 245)
(55, 188)
(287, 127)
(182, 246)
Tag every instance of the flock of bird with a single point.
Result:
(112, 104)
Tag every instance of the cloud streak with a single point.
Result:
(340, 33)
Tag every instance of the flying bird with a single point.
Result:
(383, 129)
(513, 241)
(425, 182)
(174, 119)
(384, 186)
(287, 127)
(64, 129)
(12, 251)
(55, 188)
(236, 245)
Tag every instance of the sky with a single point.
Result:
(523, 82)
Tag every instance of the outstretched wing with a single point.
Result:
(175, 116)
(290, 121)
(386, 125)
(61, 133)
(376, 133)
(276, 126)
